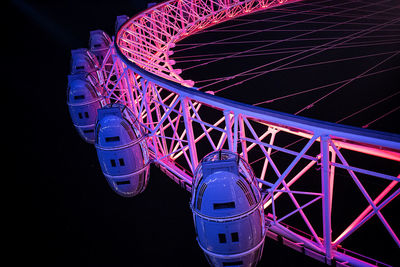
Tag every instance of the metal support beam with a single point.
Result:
(189, 133)
(326, 197)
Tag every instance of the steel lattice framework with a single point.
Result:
(184, 124)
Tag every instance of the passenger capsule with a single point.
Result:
(99, 43)
(120, 21)
(83, 61)
(83, 99)
(122, 150)
(227, 210)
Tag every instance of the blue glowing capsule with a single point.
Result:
(83, 61)
(119, 22)
(99, 44)
(227, 210)
(83, 99)
(122, 150)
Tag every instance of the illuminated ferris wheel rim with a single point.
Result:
(183, 125)
(349, 137)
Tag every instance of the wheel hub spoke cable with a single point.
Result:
(348, 82)
(326, 86)
(381, 117)
(265, 30)
(332, 44)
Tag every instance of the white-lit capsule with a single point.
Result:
(122, 150)
(83, 99)
(99, 43)
(120, 21)
(227, 210)
(83, 61)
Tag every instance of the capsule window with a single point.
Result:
(86, 115)
(112, 139)
(80, 67)
(80, 115)
(113, 163)
(88, 131)
(97, 45)
(232, 263)
(121, 162)
(123, 182)
(235, 237)
(128, 130)
(79, 97)
(226, 205)
(222, 238)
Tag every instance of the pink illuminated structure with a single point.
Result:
(183, 125)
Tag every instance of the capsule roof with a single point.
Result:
(99, 40)
(224, 186)
(225, 155)
(116, 126)
(81, 89)
(83, 61)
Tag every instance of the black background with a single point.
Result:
(63, 212)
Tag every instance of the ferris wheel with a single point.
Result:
(254, 173)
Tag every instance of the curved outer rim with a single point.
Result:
(365, 138)
(378, 139)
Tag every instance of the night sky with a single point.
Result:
(63, 212)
